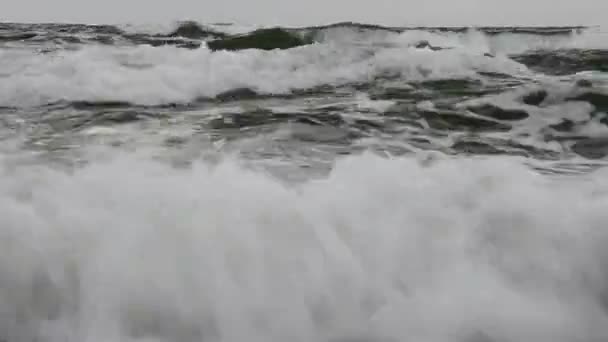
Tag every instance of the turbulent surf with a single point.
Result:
(347, 182)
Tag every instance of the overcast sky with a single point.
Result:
(301, 12)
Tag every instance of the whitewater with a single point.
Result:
(372, 184)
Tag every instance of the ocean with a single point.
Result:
(340, 183)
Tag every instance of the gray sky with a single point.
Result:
(301, 12)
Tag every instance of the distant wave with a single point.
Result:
(190, 29)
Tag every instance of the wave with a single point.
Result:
(440, 96)
(442, 249)
(147, 75)
(160, 76)
(564, 62)
(192, 30)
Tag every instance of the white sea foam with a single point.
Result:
(380, 250)
(147, 75)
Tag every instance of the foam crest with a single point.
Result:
(506, 43)
(380, 250)
(151, 76)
